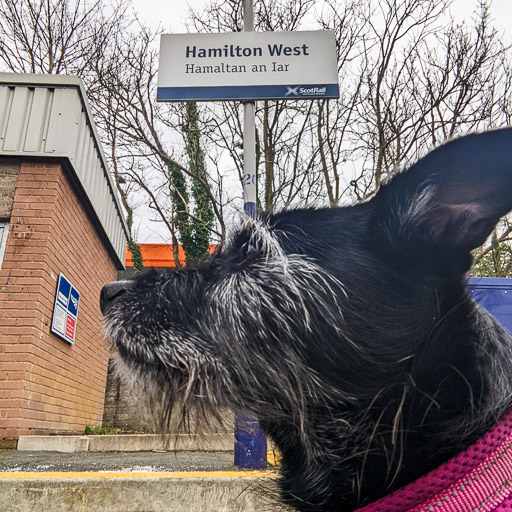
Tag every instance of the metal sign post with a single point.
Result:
(249, 132)
(248, 66)
(250, 441)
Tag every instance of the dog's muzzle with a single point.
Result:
(112, 291)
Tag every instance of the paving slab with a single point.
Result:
(145, 442)
(16, 461)
(66, 444)
(128, 443)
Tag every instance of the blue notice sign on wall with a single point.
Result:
(65, 311)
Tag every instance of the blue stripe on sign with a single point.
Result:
(250, 209)
(249, 92)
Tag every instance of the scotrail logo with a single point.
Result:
(305, 91)
(291, 91)
(74, 300)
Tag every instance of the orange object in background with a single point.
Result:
(159, 255)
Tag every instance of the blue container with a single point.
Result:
(495, 295)
(250, 443)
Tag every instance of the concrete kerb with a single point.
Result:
(222, 491)
(66, 444)
(127, 443)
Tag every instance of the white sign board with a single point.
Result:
(248, 66)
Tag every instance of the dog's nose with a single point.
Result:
(111, 291)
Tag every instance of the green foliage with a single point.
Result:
(496, 263)
(100, 430)
(199, 227)
(180, 199)
(138, 264)
(194, 229)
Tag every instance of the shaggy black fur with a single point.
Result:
(348, 332)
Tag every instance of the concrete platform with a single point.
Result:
(132, 482)
(127, 443)
(139, 492)
(37, 462)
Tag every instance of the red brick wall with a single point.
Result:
(47, 385)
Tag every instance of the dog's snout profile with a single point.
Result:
(111, 291)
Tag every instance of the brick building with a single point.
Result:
(59, 215)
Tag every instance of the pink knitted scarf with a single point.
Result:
(477, 480)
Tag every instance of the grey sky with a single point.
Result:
(171, 13)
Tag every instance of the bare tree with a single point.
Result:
(494, 259)
(174, 181)
(57, 36)
(65, 37)
(410, 78)
(426, 82)
(441, 81)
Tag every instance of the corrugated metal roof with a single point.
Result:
(48, 116)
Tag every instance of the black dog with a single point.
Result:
(348, 332)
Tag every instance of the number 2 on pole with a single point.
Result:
(249, 179)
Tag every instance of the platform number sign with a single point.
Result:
(65, 311)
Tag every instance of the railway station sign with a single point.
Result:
(248, 66)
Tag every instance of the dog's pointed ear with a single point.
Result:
(451, 199)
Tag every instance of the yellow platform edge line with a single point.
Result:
(90, 475)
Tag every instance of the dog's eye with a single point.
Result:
(248, 247)
(249, 251)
